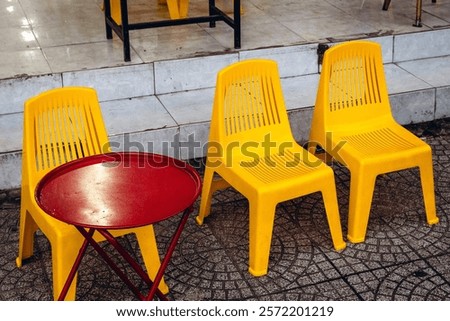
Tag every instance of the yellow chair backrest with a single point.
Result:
(352, 87)
(249, 105)
(61, 125)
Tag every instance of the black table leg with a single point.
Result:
(212, 5)
(237, 24)
(125, 30)
(153, 285)
(418, 22)
(107, 8)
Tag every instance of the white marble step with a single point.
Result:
(165, 106)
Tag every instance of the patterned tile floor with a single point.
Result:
(402, 258)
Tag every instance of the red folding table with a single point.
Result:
(120, 191)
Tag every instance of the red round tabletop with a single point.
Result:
(118, 190)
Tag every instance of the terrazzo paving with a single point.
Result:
(402, 258)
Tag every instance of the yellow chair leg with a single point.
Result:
(178, 9)
(361, 191)
(174, 11)
(116, 13)
(183, 6)
(427, 182)
(64, 254)
(332, 211)
(210, 185)
(262, 214)
(26, 236)
(205, 203)
(150, 254)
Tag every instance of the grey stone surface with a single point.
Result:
(402, 259)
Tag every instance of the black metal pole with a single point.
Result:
(107, 8)
(211, 8)
(125, 30)
(386, 4)
(237, 24)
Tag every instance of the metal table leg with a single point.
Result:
(153, 285)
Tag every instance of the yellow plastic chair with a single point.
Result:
(251, 148)
(353, 123)
(61, 125)
(116, 13)
(178, 9)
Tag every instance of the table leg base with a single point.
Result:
(153, 285)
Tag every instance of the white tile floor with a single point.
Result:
(52, 36)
